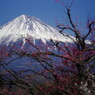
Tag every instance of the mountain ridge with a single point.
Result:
(24, 26)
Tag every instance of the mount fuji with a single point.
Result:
(28, 26)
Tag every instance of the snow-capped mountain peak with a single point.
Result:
(27, 25)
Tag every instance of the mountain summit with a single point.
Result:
(24, 26)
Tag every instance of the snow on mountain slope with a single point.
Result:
(24, 26)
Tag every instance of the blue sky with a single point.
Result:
(46, 10)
